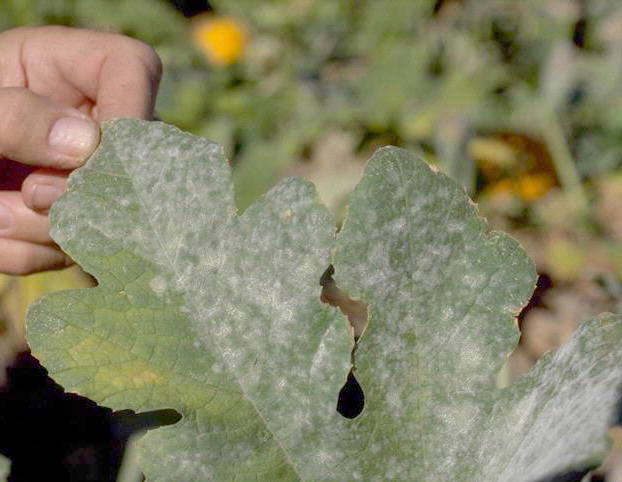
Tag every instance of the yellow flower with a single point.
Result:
(502, 189)
(221, 39)
(533, 186)
(529, 188)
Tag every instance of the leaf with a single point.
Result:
(444, 295)
(180, 278)
(18, 292)
(218, 317)
(5, 468)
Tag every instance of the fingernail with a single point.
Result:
(6, 217)
(43, 196)
(74, 136)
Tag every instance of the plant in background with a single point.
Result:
(5, 468)
(217, 316)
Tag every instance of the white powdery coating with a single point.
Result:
(159, 285)
(250, 284)
(240, 292)
(443, 296)
(436, 286)
(559, 413)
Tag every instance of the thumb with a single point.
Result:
(34, 130)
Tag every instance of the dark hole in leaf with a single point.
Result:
(351, 398)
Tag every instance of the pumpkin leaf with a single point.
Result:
(217, 316)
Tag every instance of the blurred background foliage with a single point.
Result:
(521, 102)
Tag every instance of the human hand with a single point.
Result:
(56, 85)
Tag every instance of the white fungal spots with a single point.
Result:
(447, 313)
(454, 226)
(250, 290)
(281, 384)
(395, 404)
(158, 284)
(397, 226)
(325, 459)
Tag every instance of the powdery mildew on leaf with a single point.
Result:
(443, 296)
(197, 309)
(218, 316)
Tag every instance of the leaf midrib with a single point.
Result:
(144, 210)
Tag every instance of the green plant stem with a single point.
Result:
(562, 158)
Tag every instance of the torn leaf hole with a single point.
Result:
(355, 310)
(351, 398)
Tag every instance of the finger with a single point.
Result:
(37, 131)
(18, 222)
(21, 257)
(115, 74)
(128, 82)
(43, 187)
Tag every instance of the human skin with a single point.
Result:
(57, 84)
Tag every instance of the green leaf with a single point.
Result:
(443, 296)
(214, 315)
(218, 317)
(5, 468)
